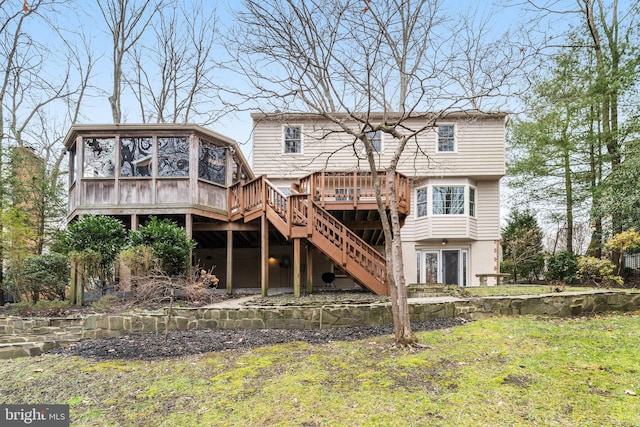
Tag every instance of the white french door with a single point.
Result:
(448, 266)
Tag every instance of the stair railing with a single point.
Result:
(298, 210)
(350, 245)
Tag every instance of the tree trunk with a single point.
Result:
(402, 321)
(568, 187)
(393, 253)
(607, 84)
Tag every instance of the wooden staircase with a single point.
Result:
(298, 216)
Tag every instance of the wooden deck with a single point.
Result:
(306, 215)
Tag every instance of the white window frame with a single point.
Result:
(469, 207)
(425, 203)
(344, 194)
(284, 139)
(473, 204)
(434, 204)
(453, 138)
(379, 136)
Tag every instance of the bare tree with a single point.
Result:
(40, 94)
(12, 39)
(126, 20)
(172, 77)
(367, 66)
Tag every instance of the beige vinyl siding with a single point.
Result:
(473, 226)
(409, 258)
(488, 209)
(318, 154)
(484, 260)
(408, 230)
(479, 144)
(443, 227)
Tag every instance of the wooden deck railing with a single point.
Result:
(330, 188)
(253, 197)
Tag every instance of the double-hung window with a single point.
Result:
(446, 139)
(292, 139)
(422, 201)
(376, 140)
(472, 201)
(448, 200)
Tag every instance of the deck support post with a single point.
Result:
(296, 268)
(134, 222)
(229, 262)
(188, 226)
(264, 254)
(76, 289)
(309, 268)
(73, 283)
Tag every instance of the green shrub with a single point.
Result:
(42, 308)
(598, 272)
(96, 234)
(139, 259)
(105, 304)
(522, 247)
(624, 242)
(562, 266)
(47, 275)
(169, 242)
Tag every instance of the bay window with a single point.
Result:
(448, 200)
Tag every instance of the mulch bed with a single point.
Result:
(184, 343)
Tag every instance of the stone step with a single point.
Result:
(7, 339)
(428, 294)
(30, 349)
(62, 335)
(46, 330)
(66, 322)
(427, 290)
(426, 286)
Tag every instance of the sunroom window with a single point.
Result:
(211, 163)
(173, 157)
(136, 156)
(99, 157)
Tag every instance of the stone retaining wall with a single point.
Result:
(32, 336)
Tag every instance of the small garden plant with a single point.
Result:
(42, 308)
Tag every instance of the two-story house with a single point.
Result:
(306, 206)
(453, 231)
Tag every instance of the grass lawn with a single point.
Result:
(498, 372)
